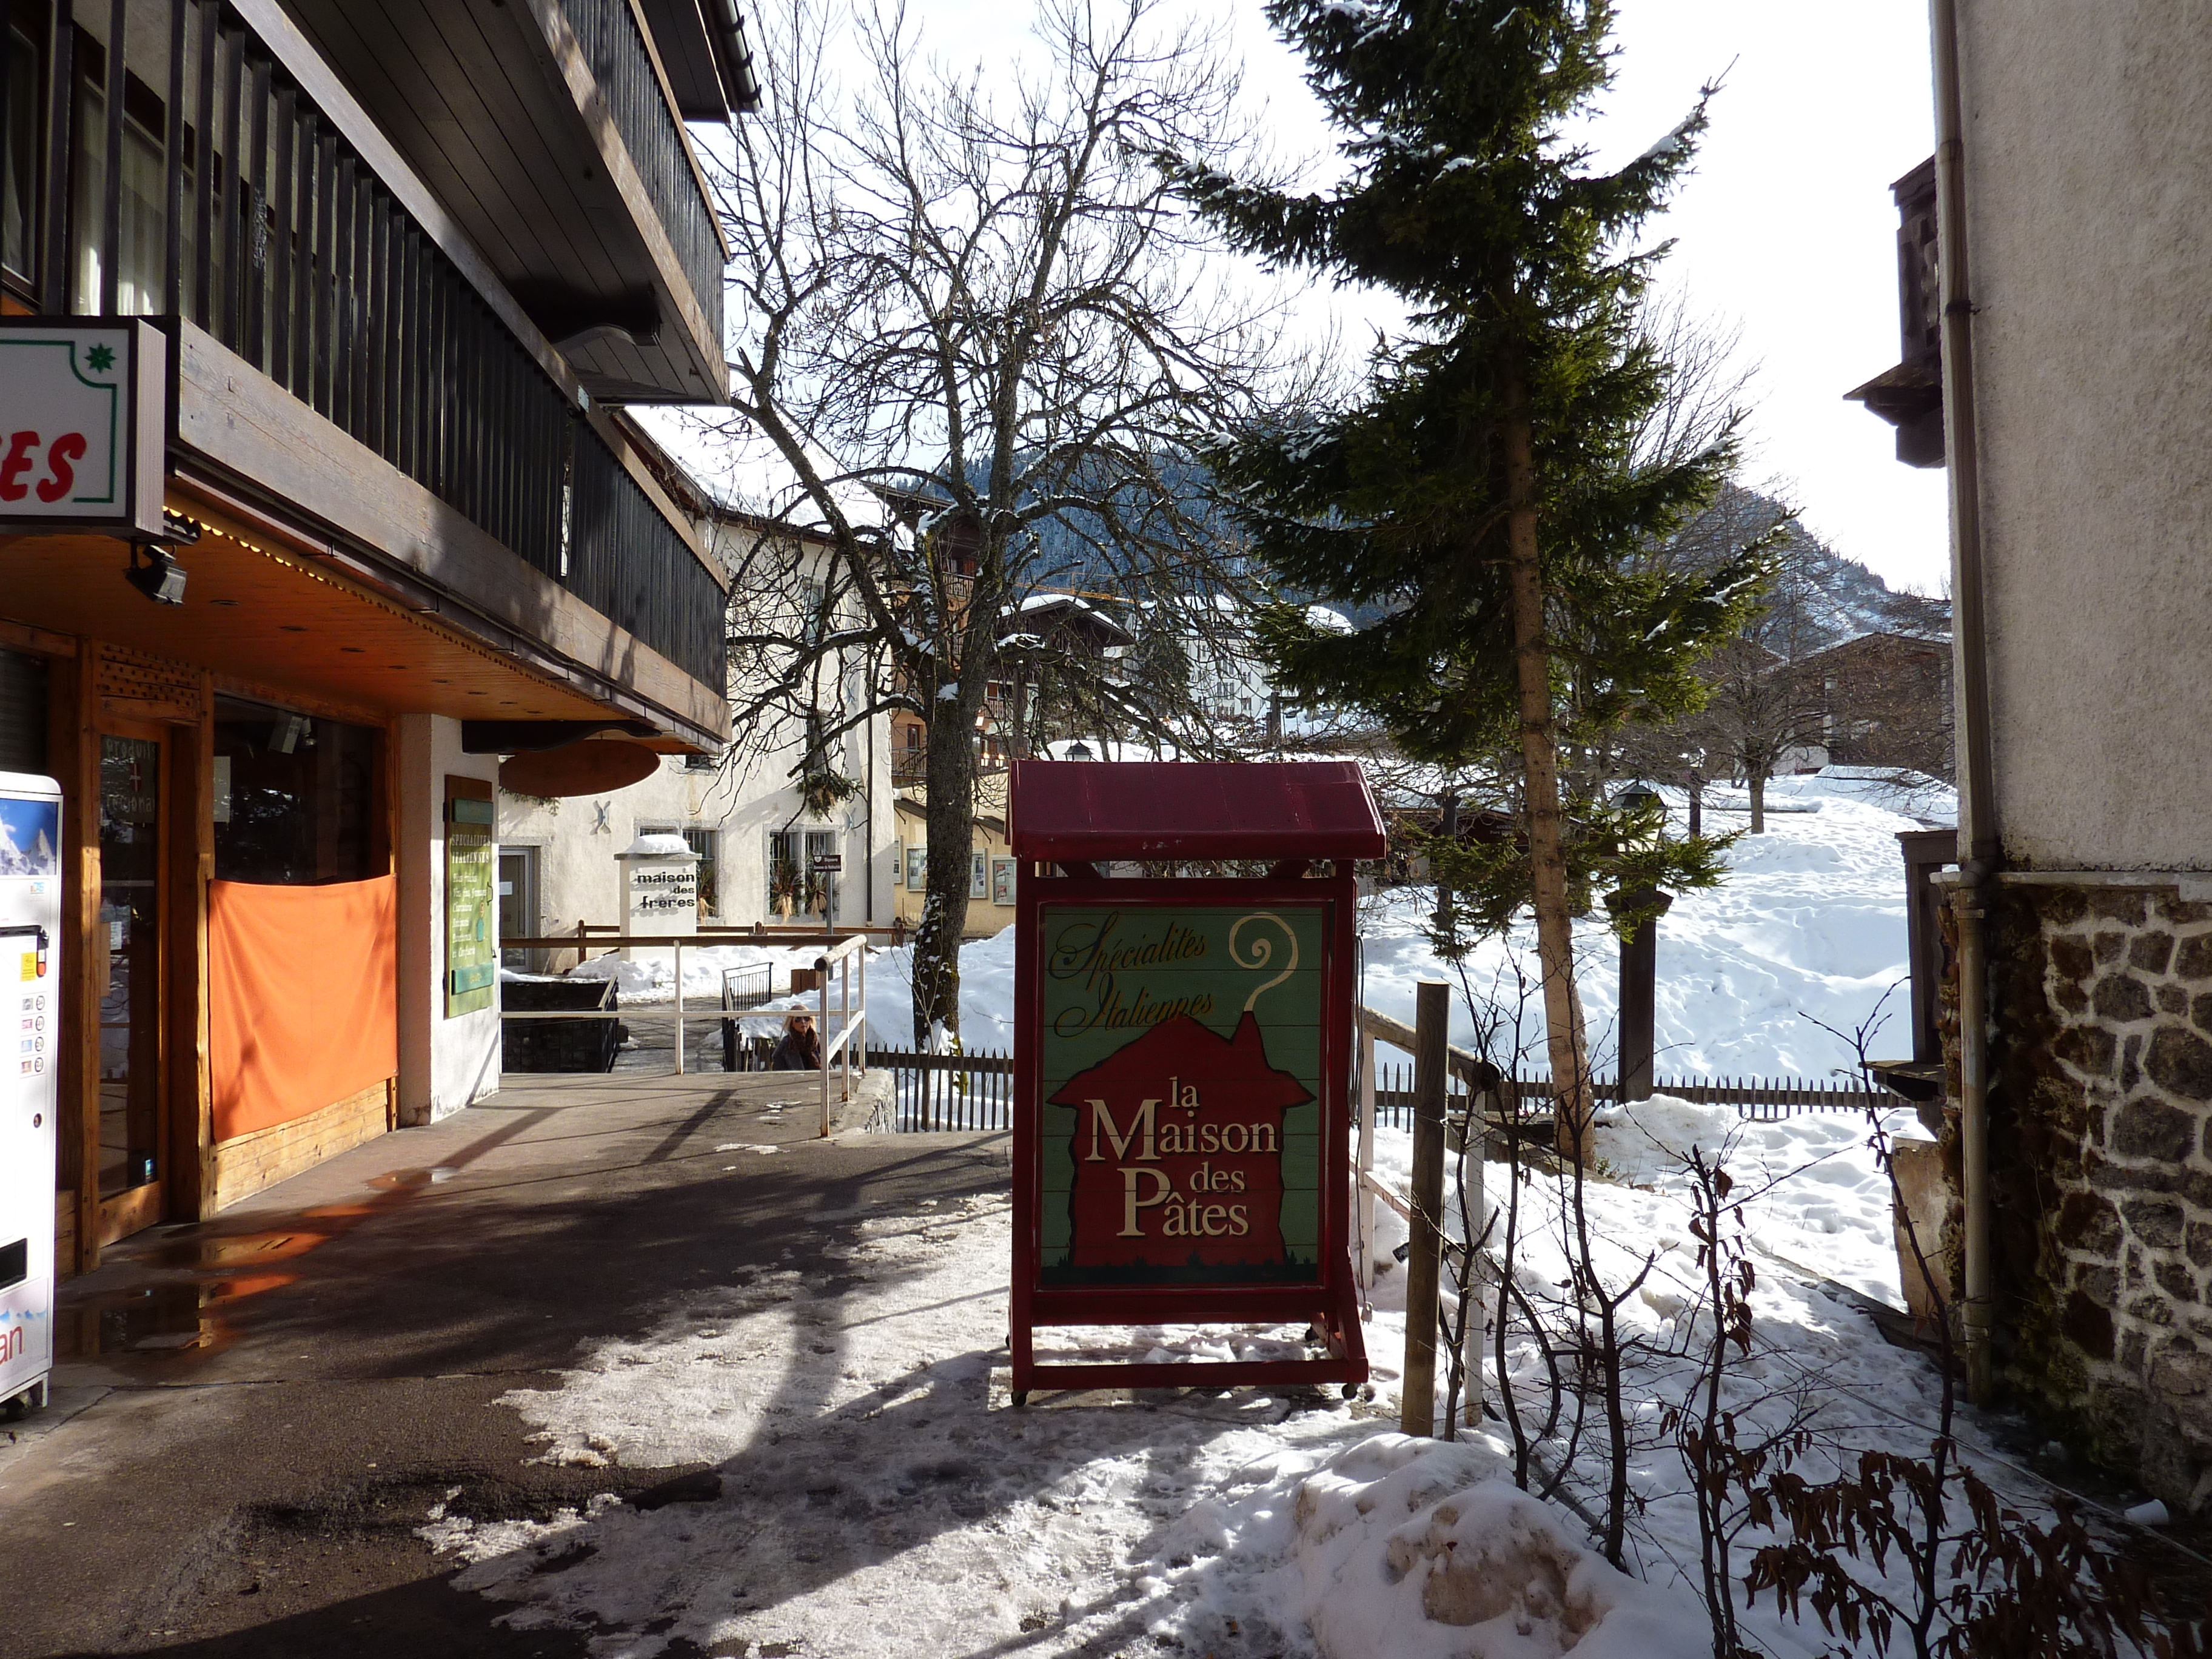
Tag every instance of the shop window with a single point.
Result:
(22, 712)
(19, 150)
(295, 797)
(793, 888)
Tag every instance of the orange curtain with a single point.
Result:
(303, 1008)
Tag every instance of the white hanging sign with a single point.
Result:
(83, 415)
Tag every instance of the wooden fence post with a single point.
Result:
(1363, 1195)
(1418, 1397)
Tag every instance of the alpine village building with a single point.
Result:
(2056, 279)
(343, 293)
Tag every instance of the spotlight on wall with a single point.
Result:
(161, 579)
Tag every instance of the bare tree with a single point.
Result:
(989, 309)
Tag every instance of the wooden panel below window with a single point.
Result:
(245, 1165)
(65, 1233)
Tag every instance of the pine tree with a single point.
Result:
(1488, 495)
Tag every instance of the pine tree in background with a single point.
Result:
(1488, 494)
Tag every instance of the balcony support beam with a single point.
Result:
(565, 65)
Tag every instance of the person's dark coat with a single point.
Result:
(800, 1050)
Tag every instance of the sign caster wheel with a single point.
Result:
(1351, 1391)
(1021, 1397)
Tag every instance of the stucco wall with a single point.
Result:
(2088, 144)
(577, 838)
(444, 1064)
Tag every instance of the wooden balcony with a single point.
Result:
(342, 349)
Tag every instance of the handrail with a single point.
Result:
(852, 1015)
(1469, 1068)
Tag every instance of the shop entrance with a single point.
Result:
(132, 970)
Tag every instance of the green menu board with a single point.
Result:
(1180, 1070)
(472, 940)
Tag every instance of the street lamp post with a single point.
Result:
(1640, 971)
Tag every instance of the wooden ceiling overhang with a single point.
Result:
(494, 107)
(272, 620)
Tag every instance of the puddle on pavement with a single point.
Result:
(188, 1314)
(149, 1319)
(233, 1250)
(402, 1180)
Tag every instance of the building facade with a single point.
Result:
(748, 814)
(2068, 277)
(356, 283)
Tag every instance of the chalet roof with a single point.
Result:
(1081, 811)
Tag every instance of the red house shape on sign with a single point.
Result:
(1178, 1150)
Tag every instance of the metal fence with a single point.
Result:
(948, 1091)
(975, 1091)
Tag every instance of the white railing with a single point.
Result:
(838, 1050)
(852, 1019)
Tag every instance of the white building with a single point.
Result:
(745, 814)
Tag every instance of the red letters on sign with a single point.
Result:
(69, 447)
(61, 475)
(17, 463)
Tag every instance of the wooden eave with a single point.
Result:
(495, 111)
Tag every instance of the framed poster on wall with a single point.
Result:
(978, 879)
(1002, 880)
(917, 868)
(471, 897)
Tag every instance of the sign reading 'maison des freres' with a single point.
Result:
(1181, 1095)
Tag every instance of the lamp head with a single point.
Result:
(161, 579)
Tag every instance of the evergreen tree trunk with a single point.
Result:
(1540, 761)
(1447, 922)
(1757, 801)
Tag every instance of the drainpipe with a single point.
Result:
(1979, 847)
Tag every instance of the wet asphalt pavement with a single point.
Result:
(253, 1416)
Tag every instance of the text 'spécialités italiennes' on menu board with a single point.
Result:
(1180, 1062)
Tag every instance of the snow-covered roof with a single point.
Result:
(739, 469)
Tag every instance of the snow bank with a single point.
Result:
(654, 979)
(1397, 1554)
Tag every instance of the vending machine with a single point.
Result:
(30, 1003)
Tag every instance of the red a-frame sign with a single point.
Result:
(1182, 1058)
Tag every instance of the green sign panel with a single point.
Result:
(1181, 1134)
(472, 945)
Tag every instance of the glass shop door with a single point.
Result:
(130, 968)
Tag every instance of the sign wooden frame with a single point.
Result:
(1327, 1302)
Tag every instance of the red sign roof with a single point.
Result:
(1078, 812)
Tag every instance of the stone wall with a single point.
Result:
(2102, 1136)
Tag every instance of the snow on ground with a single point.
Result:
(652, 977)
(878, 1499)
(1809, 926)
